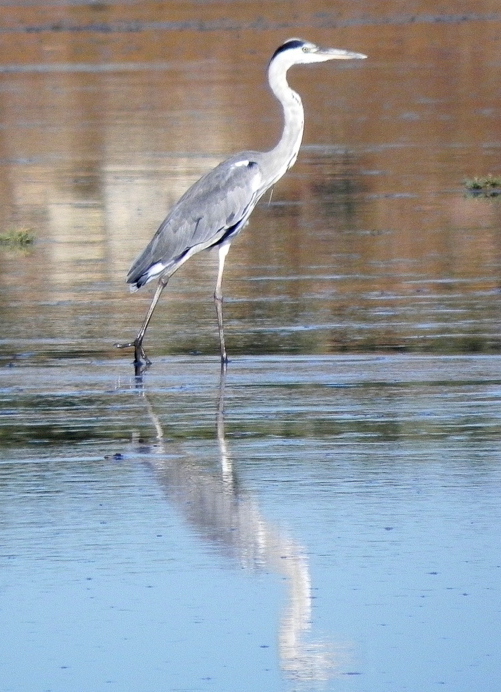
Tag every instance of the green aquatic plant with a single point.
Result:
(484, 186)
(17, 237)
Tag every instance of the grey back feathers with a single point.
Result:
(210, 212)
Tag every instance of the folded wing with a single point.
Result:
(214, 209)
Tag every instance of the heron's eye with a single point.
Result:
(306, 49)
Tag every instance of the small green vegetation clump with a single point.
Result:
(484, 186)
(17, 237)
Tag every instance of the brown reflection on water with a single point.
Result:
(110, 111)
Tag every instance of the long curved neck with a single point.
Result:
(282, 157)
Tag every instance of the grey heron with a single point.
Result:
(215, 209)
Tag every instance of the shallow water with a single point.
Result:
(328, 517)
(318, 523)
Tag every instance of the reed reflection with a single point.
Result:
(230, 521)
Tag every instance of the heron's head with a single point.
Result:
(295, 51)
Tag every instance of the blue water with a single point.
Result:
(335, 528)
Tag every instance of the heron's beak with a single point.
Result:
(338, 54)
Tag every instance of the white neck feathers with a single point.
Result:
(282, 157)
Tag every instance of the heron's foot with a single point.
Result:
(140, 357)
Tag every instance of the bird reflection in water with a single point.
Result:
(228, 518)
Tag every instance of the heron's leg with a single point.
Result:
(139, 352)
(218, 300)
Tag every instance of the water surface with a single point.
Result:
(320, 523)
(328, 517)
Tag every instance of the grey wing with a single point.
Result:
(215, 207)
